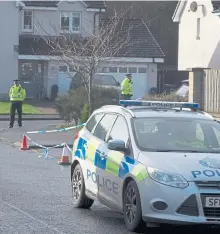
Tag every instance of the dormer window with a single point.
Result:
(70, 22)
(27, 22)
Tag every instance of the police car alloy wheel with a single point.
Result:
(132, 208)
(80, 200)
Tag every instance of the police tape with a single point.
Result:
(46, 153)
(57, 130)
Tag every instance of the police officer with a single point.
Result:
(127, 88)
(17, 95)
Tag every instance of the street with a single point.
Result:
(35, 193)
(35, 197)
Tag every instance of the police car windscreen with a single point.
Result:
(177, 134)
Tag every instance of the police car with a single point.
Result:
(155, 162)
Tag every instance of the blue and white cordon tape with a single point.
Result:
(51, 131)
(56, 130)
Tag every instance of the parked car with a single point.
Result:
(183, 90)
(100, 79)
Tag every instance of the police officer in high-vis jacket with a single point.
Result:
(17, 94)
(127, 88)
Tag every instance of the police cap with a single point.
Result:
(129, 75)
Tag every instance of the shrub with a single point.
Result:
(74, 105)
(166, 97)
(85, 113)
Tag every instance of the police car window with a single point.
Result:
(177, 134)
(119, 130)
(199, 132)
(103, 126)
(93, 121)
(217, 134)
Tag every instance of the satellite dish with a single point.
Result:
(193, 6)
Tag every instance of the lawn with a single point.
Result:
(27, 109)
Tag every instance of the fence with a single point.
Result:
(211, 91)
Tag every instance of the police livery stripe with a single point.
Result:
(115, 163)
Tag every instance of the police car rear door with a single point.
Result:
(117, 163)
(85, 149)
(96, 155)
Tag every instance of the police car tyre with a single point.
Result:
(80, 200)
(132, 208)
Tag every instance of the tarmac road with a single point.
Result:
(35, 193)
(35, 197)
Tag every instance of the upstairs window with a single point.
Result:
(70, 22)
(27, 21)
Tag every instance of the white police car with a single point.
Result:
(153, 161)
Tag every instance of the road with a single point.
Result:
(35, 197)
(35, 193)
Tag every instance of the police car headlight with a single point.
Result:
(168, 179)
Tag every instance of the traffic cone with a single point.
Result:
(24, 145)
(64, 160)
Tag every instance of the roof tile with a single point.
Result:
(141, 43)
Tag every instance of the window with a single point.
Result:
(76, 22)
(93, 121)
(177, 135)
(113, 69)
(198, 29)
(104, 80)
(122, 69)
(70, 21)
(132, 70)
(65, 22)
(71, 69)
(103, 126)
(103, 70)
(142, 70)
(63, 68)
(119, 130)
(28, 21)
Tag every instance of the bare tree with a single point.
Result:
(85, 55)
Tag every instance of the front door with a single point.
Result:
(31, 74)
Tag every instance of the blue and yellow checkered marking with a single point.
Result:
(116, 163)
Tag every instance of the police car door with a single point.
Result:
(115, 170)
(96, 163)
(86, 150)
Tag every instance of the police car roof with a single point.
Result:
(140, 112)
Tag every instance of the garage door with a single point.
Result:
(139, 79)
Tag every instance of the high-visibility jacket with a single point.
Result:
(126, 86)
(17, 93)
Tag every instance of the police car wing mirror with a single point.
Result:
(117, 145)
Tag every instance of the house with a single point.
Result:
(199, 50)
(8, 46)
(199, 39)
(158, 17)
(39, 70)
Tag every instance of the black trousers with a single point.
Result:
(125, 97)
(16, 106)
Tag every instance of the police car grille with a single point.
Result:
(189, 207)
(210, 211)
(208, 184)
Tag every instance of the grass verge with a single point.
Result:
(27, 109)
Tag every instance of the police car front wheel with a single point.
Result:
(132, 208)
(80, 200)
